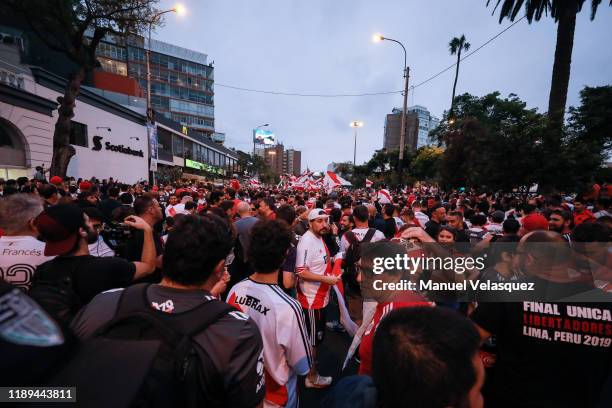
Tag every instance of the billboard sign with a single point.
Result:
(265, 137)
(202, 166)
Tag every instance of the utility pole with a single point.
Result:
(404, 114)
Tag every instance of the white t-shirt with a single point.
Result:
(19, 257)
(312, 253)
(359, 234)
(100, 248)
(280, 320)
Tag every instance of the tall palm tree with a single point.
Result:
(564, 12)
(455, 46)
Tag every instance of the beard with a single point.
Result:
(92, 236)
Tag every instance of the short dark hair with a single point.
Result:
(226, 205)
(388, 210)
(511, 226)
(286, 213)
(566, 215)
(215, 197)
(113, 191)
(417, 363)
(142, 204)
(126, 198)
(361, 213)
(194, 247)
(270, 241)
(47, 191)
(269, 202)
(189, 205)
(478, 219)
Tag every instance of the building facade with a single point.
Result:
(391, 138)
(199, 158)
(109, 139)
(292, 162)
(274, 157)
(181, 79)
(109, 134)
(427, 123)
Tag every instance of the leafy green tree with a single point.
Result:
(589, 136)
(455, 46)
(75, 29)
(425, 164)
(494, 144)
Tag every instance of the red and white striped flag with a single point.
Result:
(332, 180)
(368, 183)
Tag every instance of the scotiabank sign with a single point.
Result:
(97, 141)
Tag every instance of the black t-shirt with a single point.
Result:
(90, 275)
(550, 354)
(133, 252)
(233, 343)
(390, 228)
(432, 228)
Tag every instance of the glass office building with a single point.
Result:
(181, 79)
(427, 123)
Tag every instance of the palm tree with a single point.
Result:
(455, 46)
(564, 12)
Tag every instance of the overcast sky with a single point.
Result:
(325, 46)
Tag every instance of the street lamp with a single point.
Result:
(178, 9)
(378, 38)
(355, 124)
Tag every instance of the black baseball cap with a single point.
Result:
(59, 226)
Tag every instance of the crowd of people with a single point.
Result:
(191, 293)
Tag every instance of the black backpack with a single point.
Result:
(53, 289)
(146, 358)
(350, 258)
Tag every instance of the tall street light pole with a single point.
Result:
(180, 10)
(177, 9)
(378, 37)
(355, 124)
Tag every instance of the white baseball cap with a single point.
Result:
(317, 213)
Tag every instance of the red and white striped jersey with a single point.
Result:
(409, 299)
(286, 349)
(313, 254)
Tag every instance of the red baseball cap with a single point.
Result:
(59, 226)
(85, 185)
(56, 180)
(532, 222)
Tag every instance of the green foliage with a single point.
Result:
(535, 9)
(425, 164)
(499, 143)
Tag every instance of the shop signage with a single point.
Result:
(97, 141)
(202, 166)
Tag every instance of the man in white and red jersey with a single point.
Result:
(279, 317)
(314, 270)
(386, 300)
(20, 251)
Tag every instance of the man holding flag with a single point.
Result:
(315, 278)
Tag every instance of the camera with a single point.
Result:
(116, 235)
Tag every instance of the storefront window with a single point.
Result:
(177, 145)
